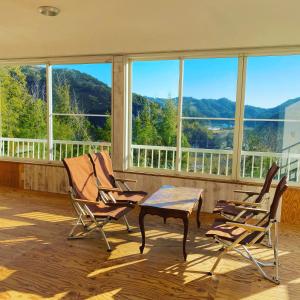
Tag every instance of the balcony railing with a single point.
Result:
(193, 160)
(38, 148)
(216, 162)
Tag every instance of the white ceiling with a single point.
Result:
(135, 26)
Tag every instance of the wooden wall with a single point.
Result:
(12, 174)
(51, 178)
(290, 212)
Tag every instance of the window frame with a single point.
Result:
(49, 63)
(242, 56)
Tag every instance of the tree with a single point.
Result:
(23, 116)
(105, 132)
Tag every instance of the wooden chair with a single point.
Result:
(240, 237)
(93, 212)
(104, 173)
(229, 208)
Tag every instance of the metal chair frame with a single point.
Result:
(85, 217)
(263, 228)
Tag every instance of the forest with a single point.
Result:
(23, 113)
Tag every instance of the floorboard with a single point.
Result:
(38, 262)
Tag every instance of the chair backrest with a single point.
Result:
(81, 177)
(280, 189)
(267, 184)
(265, 221)
(103, 168)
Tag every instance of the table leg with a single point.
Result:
(198, 211)
(185, 220)
(142, 228)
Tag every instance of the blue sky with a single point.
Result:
(270, 80)
(102, 72)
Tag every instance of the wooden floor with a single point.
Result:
(37, 262)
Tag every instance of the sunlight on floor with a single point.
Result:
(4, 207)
(19, 240)
(9, 223)
(5, 273)
(46, 217)
(107, 269)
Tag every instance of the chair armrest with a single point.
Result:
(84, 201)
(249, 193)
(254, 209)
(120, 204)
(125, 180)
(237, 202)
(248, 227)
(108, 189)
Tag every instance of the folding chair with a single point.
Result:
(103, 170)
(93, 211)
(228, 208)
(240, 237)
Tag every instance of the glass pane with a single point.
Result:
(210, 87)
(273, 87)
(23, 111)
(154, 113)
(82, 128)
(76, 135)
(82, 88)
(271, 141)
(207, 146)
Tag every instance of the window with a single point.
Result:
(186, 113)
(81, 109)
(208, 115)
(272, 116)
(23, 111)
(154, 113)
(81, 118)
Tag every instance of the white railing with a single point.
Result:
(216, 162)
(204, 161)
(208, 161)
(38, 148)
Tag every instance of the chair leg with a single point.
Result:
(259, 267)
(275, 248)
(105, 239)
(127, 224)
(79, 221)
(216, 263)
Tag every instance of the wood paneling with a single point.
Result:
(45, 178)
(11, 174)
(54, 179)
(290, 212)
(38, 262)
(213, 191)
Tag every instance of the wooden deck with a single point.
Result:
(37, 262)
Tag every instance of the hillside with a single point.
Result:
(93, 96)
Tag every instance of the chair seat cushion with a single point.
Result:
(133, 196)
(220, 230)
(100, 210)
(221, 204)
(230, 209)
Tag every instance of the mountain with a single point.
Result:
(94, 96)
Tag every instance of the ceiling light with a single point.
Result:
(49, 11)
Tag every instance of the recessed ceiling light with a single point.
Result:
(49, 11)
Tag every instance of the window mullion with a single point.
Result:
(129, 161)
(49, 112)
(179, 115)
(239, 117)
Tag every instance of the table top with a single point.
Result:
(179, 198)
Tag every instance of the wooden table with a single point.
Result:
(172, 202)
